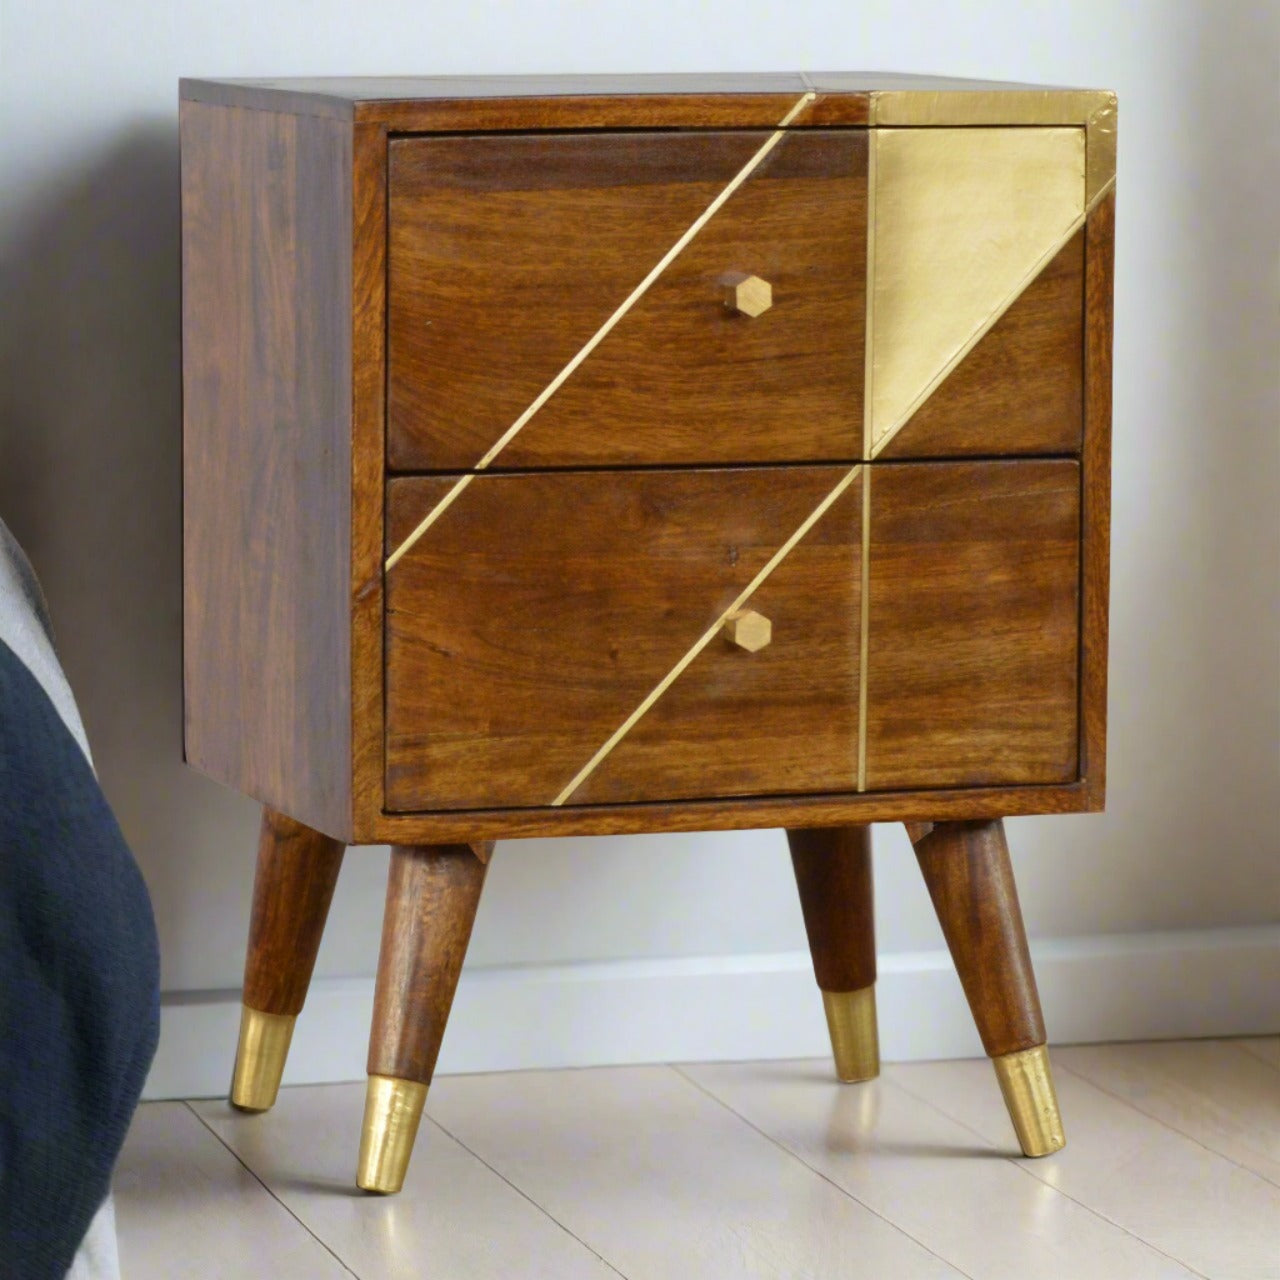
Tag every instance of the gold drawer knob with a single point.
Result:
(748, 295)
(749, 630)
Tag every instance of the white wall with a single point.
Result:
(89, 473)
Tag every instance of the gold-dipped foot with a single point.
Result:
(855, 1036)
(260, 1058)
(392, 1110)
(1027, 1085)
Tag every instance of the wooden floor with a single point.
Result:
(1172, 1168)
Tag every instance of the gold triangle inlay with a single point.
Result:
(962, 218)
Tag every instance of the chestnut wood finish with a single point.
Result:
(731, 814)
(432, 896)
(432, 104)
(679, 596)
(541, 609)
(368, 473)
(833, 875)
(967, 870)
(508, 253)
(973, 634)
(604, 111)
(292, 889)
(1020, 390)
(286, 197)
(974, 621)
(745, 100)
(1096, 516)
(267, 457)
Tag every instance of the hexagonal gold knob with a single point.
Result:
(748, 295)
(749, 630)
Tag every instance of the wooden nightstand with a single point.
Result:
(585, 455)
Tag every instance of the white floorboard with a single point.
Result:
(453, 1211)
(716, 1172)
(665, 1183)
(1163, 1187)
(1226, 1099)
(186, 1207)
(1265, 1047)
(932, 1176)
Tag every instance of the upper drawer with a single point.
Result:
(508, 254)
(562, 300)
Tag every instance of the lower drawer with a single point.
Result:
(577, 637)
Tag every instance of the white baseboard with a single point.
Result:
(1222, 982)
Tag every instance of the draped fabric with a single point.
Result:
(79, 964)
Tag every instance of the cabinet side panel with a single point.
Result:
(1095, 581)
(266, 315)
(369, 365)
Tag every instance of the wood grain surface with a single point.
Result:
(974, 624)
(368, 470)
(508, 253)
(1096, 515)
(267, 388)
(1020, 390)
(970, 879)
(750, 99)
(429, 104)
(541, 609)
(432, 896)
(292, 889)
(285, 226)
(833, 875)
(520, 113)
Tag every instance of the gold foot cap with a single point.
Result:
(1027, 1085)
(392, 1110)
(855, 1038)
(260, 1058)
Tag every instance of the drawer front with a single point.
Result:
(954, 292)
(556, 638)
(507, 255)
(973, 624)
(540, 611)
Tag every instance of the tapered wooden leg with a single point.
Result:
(966, 867)
(292, 888)
(432, 896)
(833, 874)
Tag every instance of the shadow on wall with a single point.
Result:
(90, 437)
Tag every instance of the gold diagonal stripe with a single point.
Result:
(601, 333)
(707, 636)
(864, 628)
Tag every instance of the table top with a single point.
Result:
(844, 97)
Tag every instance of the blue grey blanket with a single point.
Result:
(79, 968)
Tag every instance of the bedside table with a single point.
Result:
(584, 455)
